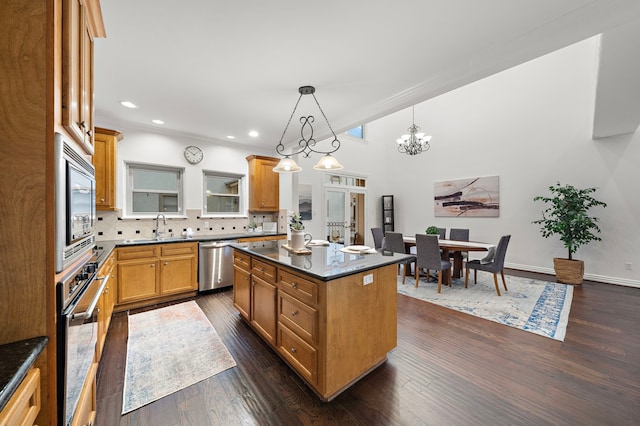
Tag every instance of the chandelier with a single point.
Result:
(307, 144)
(416, 141)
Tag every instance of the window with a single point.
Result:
(222, 194)
(154, 189)
(357, 132)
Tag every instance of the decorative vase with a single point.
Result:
(568, 271)
(299, 239)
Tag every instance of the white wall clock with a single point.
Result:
(193, 154)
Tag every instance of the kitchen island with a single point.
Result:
(332, 316)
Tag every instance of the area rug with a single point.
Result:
(170, 349)
(536, 306)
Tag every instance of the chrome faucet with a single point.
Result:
(164, 220)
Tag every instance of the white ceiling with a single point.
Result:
(215, 68)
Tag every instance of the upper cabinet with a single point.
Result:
(81, 22)
(104, 160)
(264, 184)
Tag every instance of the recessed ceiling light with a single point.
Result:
(128, 104)
(231, 137)
(254, 134)
(157, 121)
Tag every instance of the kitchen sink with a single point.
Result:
(154, 240)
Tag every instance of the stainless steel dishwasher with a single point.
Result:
(215, 261)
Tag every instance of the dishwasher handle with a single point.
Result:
(216, 244)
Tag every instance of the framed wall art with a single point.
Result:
(472, 197)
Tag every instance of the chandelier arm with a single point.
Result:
(335, 142)
(280, 146)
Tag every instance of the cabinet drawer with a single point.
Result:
(138, 252)
(242, 260)
(302, 356)
(263, 270)
(24, 405)
(300, 288)
(299, 317)
(178, 249)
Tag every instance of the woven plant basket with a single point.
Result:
(568, 271)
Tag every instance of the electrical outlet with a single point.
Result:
(627, 266)
(367, 279)
(206, 224)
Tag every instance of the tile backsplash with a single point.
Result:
(111, 226)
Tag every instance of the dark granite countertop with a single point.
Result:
(15, 361)
(321, 263)
(104, 248)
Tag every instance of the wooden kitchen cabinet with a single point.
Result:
(155, 272)
(242, 283)
(264, 184)
(107, 301)
(87, 406)
(81, 22)
(104, 161)
(263, 299)
(178, 268)
(24, 405)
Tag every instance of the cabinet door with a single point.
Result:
(242, 291)
(138, 280)
(104, 160)
(264, 184)
(178, 274)
(263, 308)
(77, 74)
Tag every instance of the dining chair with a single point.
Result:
(443, 233)
(459, 234)
(378, 235)
(428, 257)
(494, 266)
(394, 242)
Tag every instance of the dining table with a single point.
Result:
(449, 246)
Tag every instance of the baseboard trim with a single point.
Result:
(592, 277)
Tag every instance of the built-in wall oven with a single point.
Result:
(78, 294)
(75, 204)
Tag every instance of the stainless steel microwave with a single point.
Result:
(75, 204)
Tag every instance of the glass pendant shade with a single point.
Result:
(328, 162)
(287, 165)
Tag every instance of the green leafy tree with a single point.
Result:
(567, 216)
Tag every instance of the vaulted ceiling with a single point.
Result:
(212, 69)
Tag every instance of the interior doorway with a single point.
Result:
(345, 209)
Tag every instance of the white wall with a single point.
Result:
(530, 125)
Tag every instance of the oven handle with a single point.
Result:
(89, 312)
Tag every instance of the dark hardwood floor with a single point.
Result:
(449, 368)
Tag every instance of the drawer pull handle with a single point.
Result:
(153, 265)
(165, 263)
(294, 313)
(294, 350)
(294, 285)
(261, 270)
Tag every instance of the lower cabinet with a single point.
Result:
(147, 274)
(263, 308)
(24, 405)
(242, 291)
(107, 301)
(86, 411)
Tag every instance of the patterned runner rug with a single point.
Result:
(170, 349)
(536, 306)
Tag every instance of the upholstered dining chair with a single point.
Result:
(494, 266)
(443, 233)
(428, 257)
(459, 234)
(378, 236)
(394, 242)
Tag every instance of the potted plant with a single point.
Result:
(252, 226)
(567, 216)
(432, 230)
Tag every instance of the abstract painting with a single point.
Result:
(304, 201)
(472, 197)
